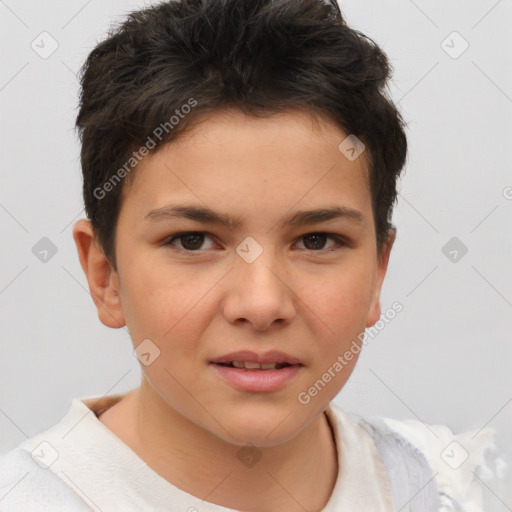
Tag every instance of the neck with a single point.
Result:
(299, 474)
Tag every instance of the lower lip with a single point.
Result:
(257, 380)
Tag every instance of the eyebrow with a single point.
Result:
(207, 216)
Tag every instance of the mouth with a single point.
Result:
(250, 360)
(257, 373)
(252, 366)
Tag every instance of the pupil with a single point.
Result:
(316, 237)
(195, 238)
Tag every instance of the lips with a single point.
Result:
(249, 360)
(257, 373)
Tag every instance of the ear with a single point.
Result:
(374, 312)
(102, 278)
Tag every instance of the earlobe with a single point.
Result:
(102, 278)
(375, 309)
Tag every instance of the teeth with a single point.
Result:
(253, 366)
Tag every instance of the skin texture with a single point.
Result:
(309, 298)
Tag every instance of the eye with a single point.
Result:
(190, 241)
(316, 241)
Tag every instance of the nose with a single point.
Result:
(260, 292)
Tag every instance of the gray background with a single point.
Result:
(445, 359)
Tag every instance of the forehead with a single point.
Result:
(290, 155)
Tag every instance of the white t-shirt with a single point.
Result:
(79, 465)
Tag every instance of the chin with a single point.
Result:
(259, 427)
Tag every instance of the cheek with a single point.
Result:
(341, 303)
(344, 295)
(172, 311)
(152, 303)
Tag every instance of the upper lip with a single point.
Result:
(274, 356)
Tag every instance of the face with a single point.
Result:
(253, 276)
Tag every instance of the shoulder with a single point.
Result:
(29, 477)
(458, 468)
(26, 486)
(466, 464)
(409, 475)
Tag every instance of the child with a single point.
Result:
(240, 160)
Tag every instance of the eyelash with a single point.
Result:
(340, 241)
